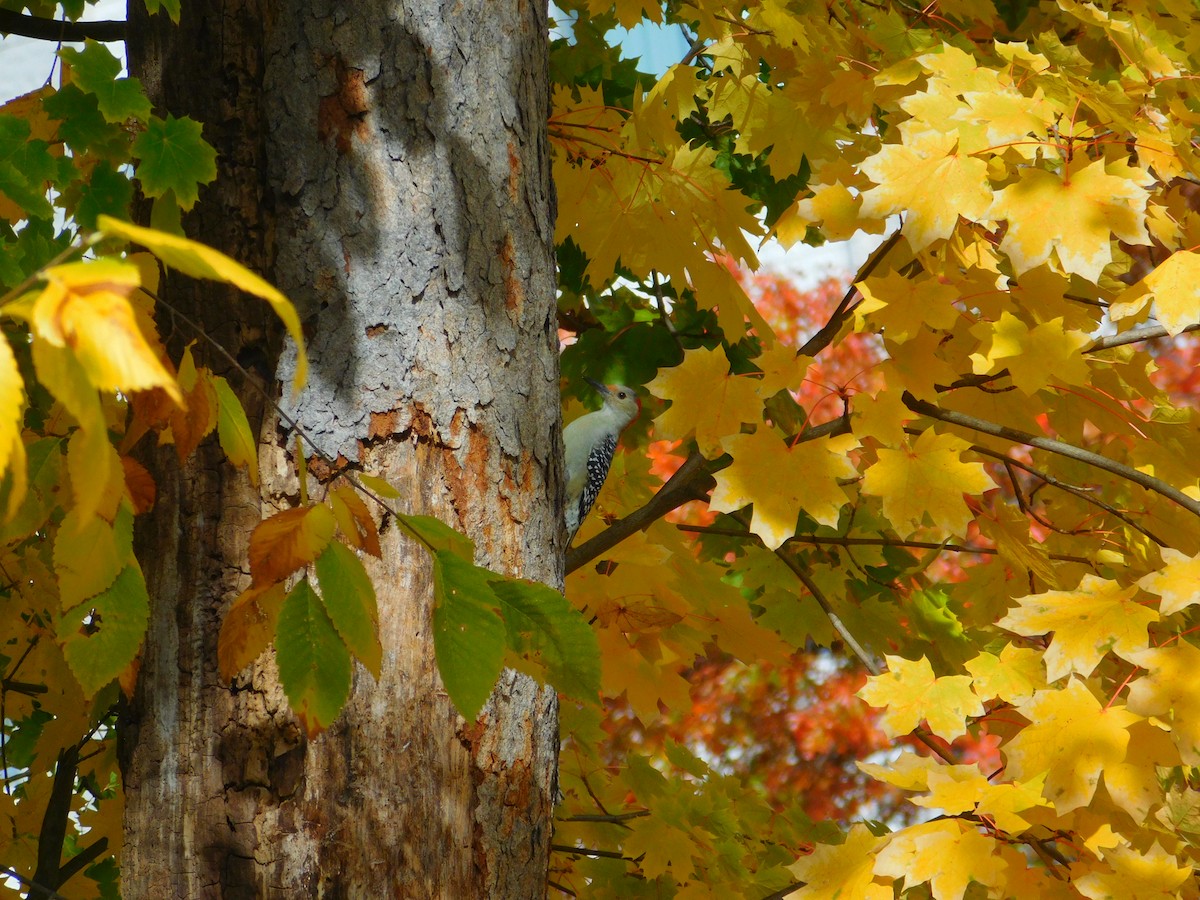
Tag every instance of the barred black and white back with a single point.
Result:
(590, 443)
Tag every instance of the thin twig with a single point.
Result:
(839, 626)
(1073, 490)
(585, 851)
(696, 46)
(614, 818)
(783, 892)
(329, 460)
(870, 542)
(1149, 482)
(35, 889)
(824, 337)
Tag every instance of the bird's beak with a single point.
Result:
(603, 391)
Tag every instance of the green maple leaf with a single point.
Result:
(95, 70)
(175, 157)
(81, 124)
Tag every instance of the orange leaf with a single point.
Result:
(287, 541)
(198, 416)
(248, 628)
(354, 519)
(140, 484)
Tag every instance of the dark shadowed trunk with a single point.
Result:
(386, 165)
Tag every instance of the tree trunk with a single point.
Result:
(387, 166)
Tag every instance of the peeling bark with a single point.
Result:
(386, 164)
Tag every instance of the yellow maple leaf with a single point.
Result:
(1135, 875)
(903, 175)
(1008, 117)
(1133, 783)
(705, 399)
(881, 417)
(1073, 214)
(781, 481)
(1176, 582)
(928, 478)
(1003, 802)
(660, 847)
(908, 772)
(841, 871)
(959, 68)
(1013, 676)
(1169, 691)
(902, 306)
(1173, 287)
(908, 692)
(1034, 357)
(781, 368)
(1087, 622)
(953, 789)
(835, 210)
(917, 365)
(948, 853)
(1072, 739)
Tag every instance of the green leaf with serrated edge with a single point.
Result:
(165, 214)
(314, 664)
(90, 553)
(468, 633)
(25, 167)
(46, 463)
(233, 430)
(95, 70)
(379, 486)
(102, 648)
(199, 261)
(542, 622)
(81, 125)
(439, 535)
(174, 157)
(107, 193)
(350, 601)
(170, 6)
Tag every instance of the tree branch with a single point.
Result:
(676, 492)
(824, 337)
(1149, 482)
(58, 30)
(54, 821)
(82, 860)
(1146, 333)
(682, 487)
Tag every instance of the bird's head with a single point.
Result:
(618, 397)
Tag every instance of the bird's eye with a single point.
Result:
(620, 395)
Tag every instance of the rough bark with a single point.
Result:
(386, 165)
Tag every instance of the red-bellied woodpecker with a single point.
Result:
(590, 442)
